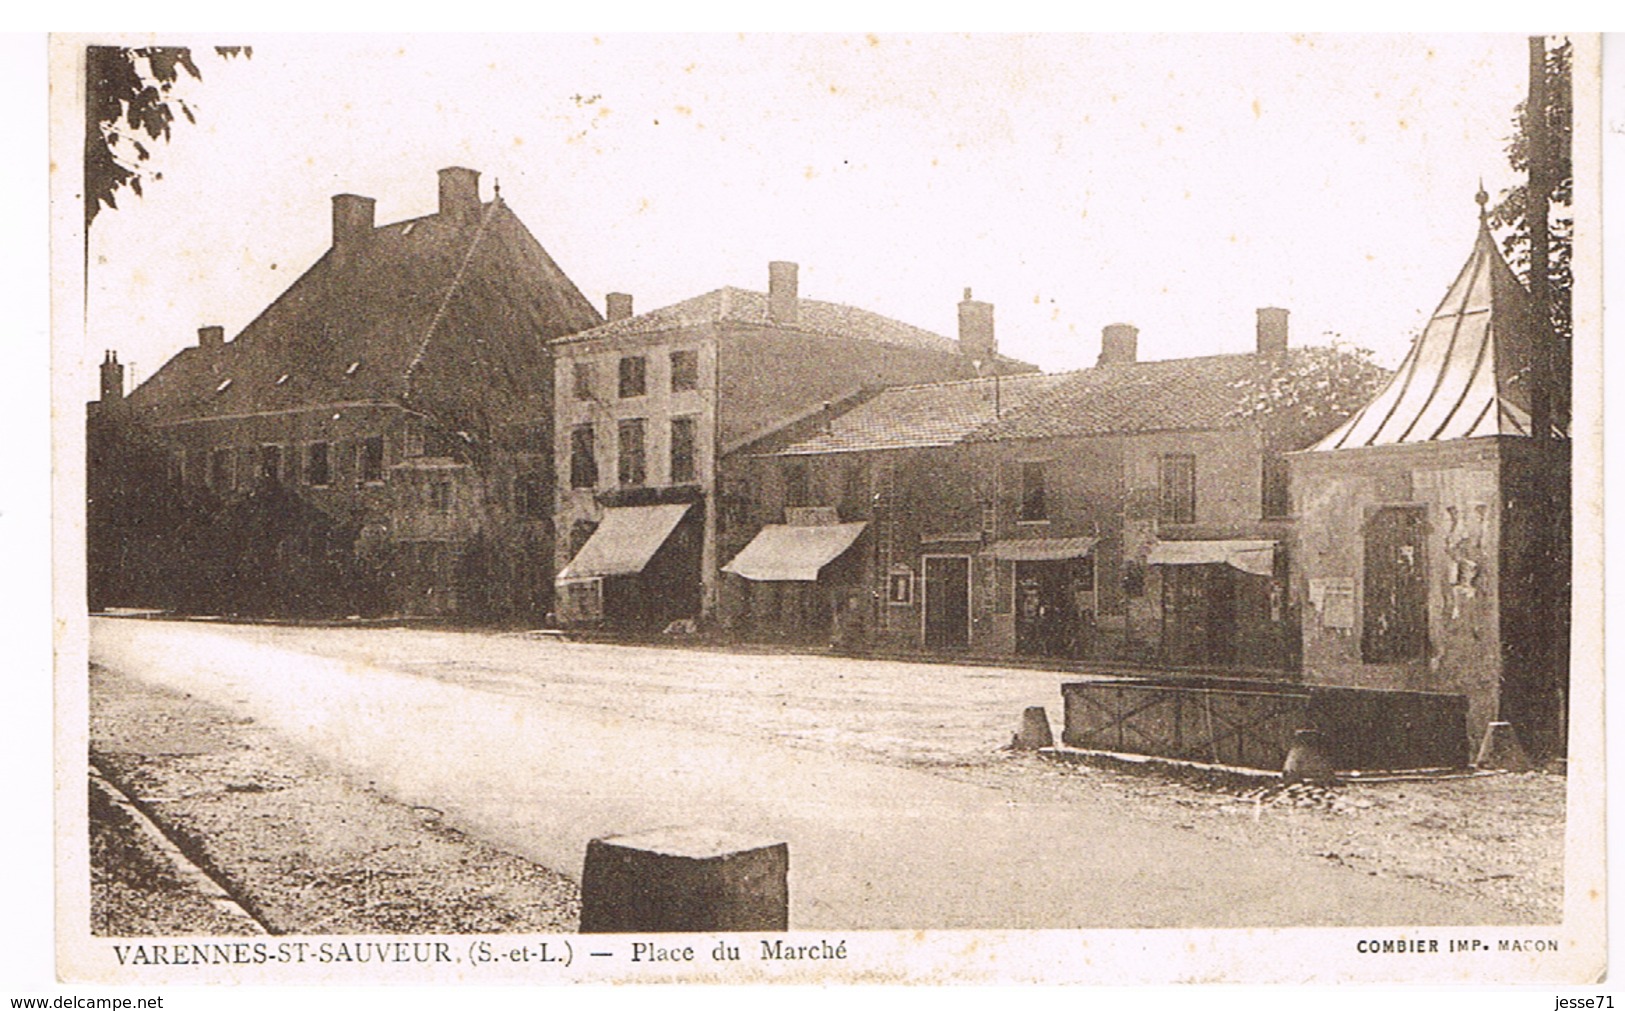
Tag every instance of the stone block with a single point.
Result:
(686, 879)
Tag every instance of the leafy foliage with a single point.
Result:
(1558, 174)
(1307, 394)
(130, 103)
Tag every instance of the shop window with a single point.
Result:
(1176, 483)
(632, 376)
(1033, 508)
(682, 450)
(685, 371)
(629, 458)
(583, 458)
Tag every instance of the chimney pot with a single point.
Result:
(1272, 333)
(211, 337)
(1119, 344)
(617, 305)
(783, 298)
(112, 378)
(977, 340)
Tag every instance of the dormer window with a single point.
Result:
(351, 370)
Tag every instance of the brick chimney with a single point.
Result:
(617, 305)
(352, 223)
(212, 338)
(459, 194)
(1119, 344)
(112, 378)
(1272, 333)
(976, 339)
(783, 302)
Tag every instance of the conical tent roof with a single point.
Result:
(1467, 374)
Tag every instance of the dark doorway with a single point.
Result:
(1055, 608)
(1199, 614)
(1395, 625)
(947, 601)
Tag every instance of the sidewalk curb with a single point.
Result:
(188, 872)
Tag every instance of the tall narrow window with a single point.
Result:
(316, 469)
(630, 457)
(685, 371)
(682, 450)
(441, 497)
(270, 464)
(1395, 615)
(583, 380)
(797, 486)
(583, 458)
(1176, 480)
(1277, 499)
(370, 459)
(632, 378)
(531, 497)
(1033, 507)
(220, 470)
(412, 443)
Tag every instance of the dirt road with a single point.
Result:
(538, 747)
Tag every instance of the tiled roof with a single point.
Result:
(934, 414)
(1465, 375)
(438, 315)
(1177, 394)
(739, 305)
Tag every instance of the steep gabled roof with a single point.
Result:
(436, 314)
(933, 414)
(1467, 373)
(1133, 397)
(742, 306)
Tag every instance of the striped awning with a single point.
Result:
(1254, 557)
(624, 542)
(1042, 549)
(793, 554)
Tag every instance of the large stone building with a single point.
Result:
(401, 388)
(1133, 511)
(649, 406)
(1434, 525)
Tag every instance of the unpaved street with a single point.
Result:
(539, 746)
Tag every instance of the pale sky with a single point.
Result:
(1173, 182)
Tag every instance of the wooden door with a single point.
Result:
(947, 601)
(1395, 616)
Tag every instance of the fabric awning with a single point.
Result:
(1254, 557)
(783, 553)
(624, 542)
(1042, 549)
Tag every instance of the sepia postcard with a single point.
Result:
(827, 508)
